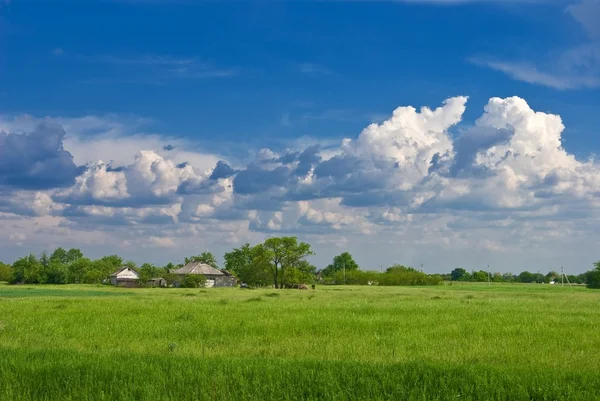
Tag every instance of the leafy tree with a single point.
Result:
(341, 262)
(508, 277)
(100, 269)
(5, 272)
(73, 254)
(403, 275)
(302, 273)
(57, 273)
(480, 276)
(246, 264)
(59, 255)
(551, 276)
(204, 257)
(27, 270)
(148, 271)
(44, 259)
(593, 276)
(279, 254)
(78, 269)
(114, 261)
(458, 274)
(527, 277)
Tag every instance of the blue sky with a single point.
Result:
(257, 84)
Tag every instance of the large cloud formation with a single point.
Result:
(36, 160)
(418, 178)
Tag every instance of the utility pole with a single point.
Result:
(562, 277)
(489, 282)
(421, 267)
(344, 265)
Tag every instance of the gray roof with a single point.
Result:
(198, 268)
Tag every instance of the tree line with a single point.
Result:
(280, 262)
(460, 274)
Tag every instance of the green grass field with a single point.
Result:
(468, 342)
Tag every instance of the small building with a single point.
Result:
(125, 277)
(214, 277)
(157, 282)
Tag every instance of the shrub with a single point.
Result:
(193, 281)
(395, 275)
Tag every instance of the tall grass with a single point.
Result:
(507, 342)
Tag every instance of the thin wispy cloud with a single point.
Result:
(587, 13)
(530, 74)
(157, 69)
(313, 69)
(577, 67)
(147, 59)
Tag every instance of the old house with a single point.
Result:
(157, 282)
(214, 277)
(126, 277)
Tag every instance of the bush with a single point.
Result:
(394, 276)
(193, 281)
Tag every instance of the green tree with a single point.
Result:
(527, 277)
(403, 275)
(341, 262)
(57, 273)
(27, 270)
(99, 270)
(5, 272)
(204, 257)
(245, 262)
(302, 273)
(508, 277)
(592, 278)
(59, 255)
(78, 269)
(458, 274)
(480, 276)
(551, 276)
(148, 271)
(497, 277)
(114, 261)
(281, 253)
(73, 254)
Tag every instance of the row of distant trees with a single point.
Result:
(279, 262)
(523, 277)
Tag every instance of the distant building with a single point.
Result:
(126, 277)
(214, 277)
(157, 282)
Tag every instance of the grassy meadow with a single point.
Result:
(459, 342)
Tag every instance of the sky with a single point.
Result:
(450, 133)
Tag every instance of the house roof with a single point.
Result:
(122, 269)
(198, 268)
